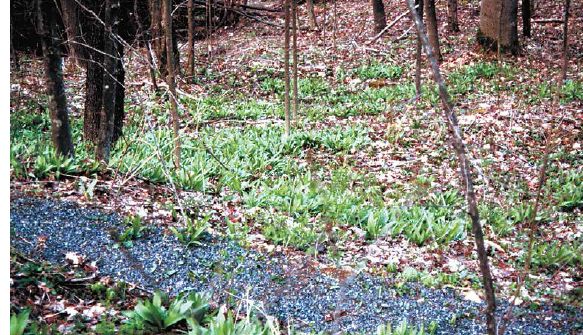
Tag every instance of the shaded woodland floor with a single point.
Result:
(366, 183)
(299, 292)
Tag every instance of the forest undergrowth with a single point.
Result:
(366, 181)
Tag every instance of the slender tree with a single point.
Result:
(452, 19)
(93, 38)
(53, 62)
(526, 17)
(190, 63)
(565, 41)
(431, 20)
(418, 53)
(158, 32)
(147, 41)
(498, 25)
(170, 77)
(311, 14)
(70, 22)
(286, 47)
(334, 25)
(380, 18)
(111, 62)
(294, 14)
(13, 54)
(465, 172)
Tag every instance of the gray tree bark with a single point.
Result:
(465, 172)
(431, 20)
(110, 83)
(287, 14)
(171, 76)
(53, 62)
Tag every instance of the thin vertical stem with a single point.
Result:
(295, 60)
(167, 12)
(465, 172)
(286, 67)
(565, 41)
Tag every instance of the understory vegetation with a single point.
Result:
(366, 180)
(308, 189)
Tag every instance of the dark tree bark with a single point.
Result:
(431, 20)
(452, 20)
(465, 173)
(13, 54)
(526, 17)
(311, 14)
(498, 25)
(380, 18)
(419, 4)
(190, 64)
(93, 39)
(110, 84)
(53, 61)
(170, 78)
(119, 111)
(565, 41)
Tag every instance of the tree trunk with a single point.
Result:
(119, 111)
(53, 61)
(147, 41)
(70, 21)
(157, 35)
(13, 54)
(170, 78)
(295, 59)
(452, 20)
(380, 18)
(312, 15)
(286, 66)
(94, 76)
(190, 64)
(565, 41)
(110, 94)
(496, 28)
(431, 20)
(418, 54)
(526, 16)
(465, 173)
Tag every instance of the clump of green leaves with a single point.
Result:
(193, 231)
(226, 325)
(377, 70)
(568, 191)
(161, 314)
(404, 328)
(557, 254)
(135, 229)
(18, 322)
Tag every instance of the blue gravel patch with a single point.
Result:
(294, 291)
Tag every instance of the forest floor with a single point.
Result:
(367, 182)
(296, 291)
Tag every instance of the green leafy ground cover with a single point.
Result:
(367, 168)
